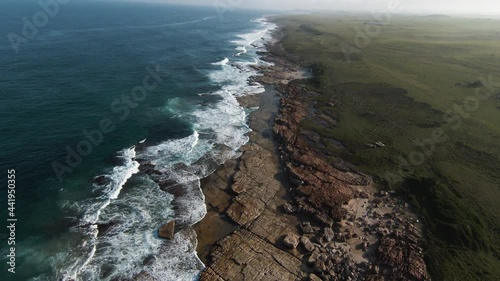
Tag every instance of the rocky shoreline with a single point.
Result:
(281, 212)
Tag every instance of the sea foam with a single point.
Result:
(131, 217)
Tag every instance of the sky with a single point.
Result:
(484, 7)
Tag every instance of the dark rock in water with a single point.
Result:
(63, 224)
(180, 167)
(107, 270)
(149, 169)
(101, 180)
(105, 227)
(149, 260)
(117, 160)
(143, 276)
(166, 184)
(167, 231)
(177, 190)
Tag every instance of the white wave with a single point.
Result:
(171, 152)
(119, 176)
(235, 79)
(177, 260)
(225, 61)
(136, 214)
(242, 50)
(191, 205)
(176, 107)
(255, 38)
(196, 140)
(131, 238)
(93, 209)
(226, 119)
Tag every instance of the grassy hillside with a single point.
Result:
(429, 89)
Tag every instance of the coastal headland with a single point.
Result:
(281, 211)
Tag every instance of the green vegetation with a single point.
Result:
(420, 86)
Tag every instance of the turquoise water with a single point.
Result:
(73, 108)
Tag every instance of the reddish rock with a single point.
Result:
(323, 188)
(405, 256)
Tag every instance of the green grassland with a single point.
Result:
(413, 83)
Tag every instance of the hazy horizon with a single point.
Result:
(460, 7)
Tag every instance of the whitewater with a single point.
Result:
(119, 225)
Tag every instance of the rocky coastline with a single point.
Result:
(282, 212)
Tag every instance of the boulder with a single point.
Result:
(306, 228)
(291, 241)
(405, 257)
(101, 180)
(313, 277)
(289, 208)
(320, 265)
(328, 234)
(167, 231)
(364, 195)
(312, 258)
(307, 244)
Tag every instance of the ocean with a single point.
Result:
(111, 113)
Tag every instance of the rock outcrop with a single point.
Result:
(244, 256)
(167, 230)
(254, 183)
(322, 189)
(403, 254)
(324, 222)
